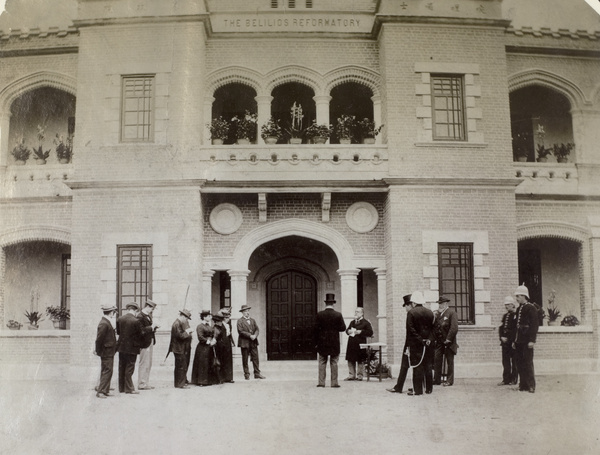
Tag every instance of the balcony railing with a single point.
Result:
(547, 178)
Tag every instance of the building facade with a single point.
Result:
(462, 191)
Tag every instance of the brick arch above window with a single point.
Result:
(547, 229)
(356, 74)
(553, 81)
(297, 74)
(235, 75)
(35, 233)
(34, 81)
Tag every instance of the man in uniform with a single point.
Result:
(248, 342)
(527, 329)
(181, 347)
(445, 328)
(358, 331)
(404, 366)
(419, 327)
(507, 332)
(328, 326)
(148, 341)
(106, 345)
(129, 330)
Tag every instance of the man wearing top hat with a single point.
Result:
(148, 340)
(419, 340)
(129, 329)
(526, 334)
(248, 342)
(106, 345)
(404, 366)
(328, 326)
(181, 347)
(445, 328)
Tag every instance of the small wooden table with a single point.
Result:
(377, 347)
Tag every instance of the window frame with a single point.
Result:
(460, 109)
(145, 138)
(470, 279)
(65, 285)
(141, 297)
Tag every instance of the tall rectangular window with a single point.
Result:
(65, 300)
(137, 110)
(134, 274)
(455, 271)
(448, 108)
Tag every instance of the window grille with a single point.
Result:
(134, 269)
(309, 3)
(291, 3)
(274, 3)
(455, 270)
(65, 301)
(137, 109)
(448, 107)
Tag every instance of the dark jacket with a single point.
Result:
(181, 341)
(445, 328)
(527, 323)
(419, 325)
(129, 330)
(353, 351)
(147, 331)
(508, 328)
(327, 331)
(245, 328)
(106, 340)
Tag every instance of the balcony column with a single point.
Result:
(263, 103)
(207, 288)
(239, 295)
(322, 107)
(2, 286)
(381, 302)
(208, 102)
(586, 136)
(377, 115)
(4, 145)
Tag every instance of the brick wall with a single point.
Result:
(44, 347)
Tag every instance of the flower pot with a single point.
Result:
(271, 140)
(563, 160)
(553, 323)
(32, 327)
(217, 142)
(64, 161)
(522, 159)
(369, 140)
(296, 140)
(542, 160)
(243, 141)
(345, 140)
(40, 161)
(60, 325)
(19, 162)
(319, 140)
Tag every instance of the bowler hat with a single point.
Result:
(151, 303)
(329, 298)
(522, 290)
(186, 313)
(406, 299)
(245, 307)
(443, 299)
(133, 305)
(107, 308)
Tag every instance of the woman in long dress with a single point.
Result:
(204, 357)
(226, 348)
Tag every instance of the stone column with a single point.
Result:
(207, 288)
(322, 107)
(586, 136)
(239, 290)
(263, 103)
(2, 285)
(381, 303)
(208, 102)
(4, 145)
(348, 299)
(377, 115)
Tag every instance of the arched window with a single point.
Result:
(351, 99)
(284, 97)
(231, 100)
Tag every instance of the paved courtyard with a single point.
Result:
(284, 415)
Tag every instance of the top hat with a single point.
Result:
(443, 299)
(245, 307)
(133, 305)
(186, 313)
(107, 308)
(151, 303)
(329, 299)
(406, 300)
(418, 298)
(522, 290)
(508, 300)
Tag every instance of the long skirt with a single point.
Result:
(225, 354)
(202, 368)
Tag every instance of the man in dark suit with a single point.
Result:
(129, 330)
(148, 341)
(445, 328)
(358, 331)
(507, 333)
(404, 366)
(106, 345)
(328, 326)
(419, 340)
(181, 347)
(248, 342)
(527, 329)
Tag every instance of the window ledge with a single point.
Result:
(452, 144)
(561, 329)
(25, 333)
(476, 328)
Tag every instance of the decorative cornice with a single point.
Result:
(557, 197)
(293, 186)
(381, 19)
(83, 185)
(142, 20)
(39, 51)
(453, 182)
(557, 33)
(563, 52)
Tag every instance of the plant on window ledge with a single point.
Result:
(20, 152)
(367, 130)
(14, 325)
(39, 153)
(344, 128)
(553, 312)
(219, 130)
(34, 317)
(245, 126)
(318, 133)
(295, 130)
(59, 316)
(271, 132)
(562, 151)
(569, 321)
(542, 153)
(64, 149)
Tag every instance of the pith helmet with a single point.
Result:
(418, 298)
(522, 290)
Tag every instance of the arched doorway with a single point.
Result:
(291, 310)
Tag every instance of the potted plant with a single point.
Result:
(20, 152)
(318, 133)
(245, 127)
(521, 145)
(367, 130)
(542, 153)
(271, 132)
(39, 154)
(562, 151)
(64, 149)
(374, 368)
(219, 130)
(295, 130)
(14, 325)
(34, 317)
(344, 128)
(569, 321)
(553, 315)
(59, 316)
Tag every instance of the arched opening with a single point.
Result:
(540, 120)
(284, 98)
(42, 118)
(353, 99)
(233, 100)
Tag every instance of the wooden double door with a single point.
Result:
(291, 313)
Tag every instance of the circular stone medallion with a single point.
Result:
(362, 217)
(225, 218)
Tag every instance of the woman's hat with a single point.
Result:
(329, 298)
(204, 313)
(217, 317)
